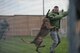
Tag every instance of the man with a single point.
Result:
(3, 27)
(54, 17)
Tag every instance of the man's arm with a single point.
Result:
(54, 16)
(61, 15)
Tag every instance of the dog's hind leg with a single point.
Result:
(37, 50)
(38, 46)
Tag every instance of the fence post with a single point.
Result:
(72, 21)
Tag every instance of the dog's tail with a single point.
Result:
(25, 41)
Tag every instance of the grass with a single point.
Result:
(16, 45)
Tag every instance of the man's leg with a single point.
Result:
(56, 39)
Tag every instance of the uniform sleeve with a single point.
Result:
(51, 14)
(60, 16)
(57, 17)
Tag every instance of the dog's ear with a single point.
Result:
(47, 13)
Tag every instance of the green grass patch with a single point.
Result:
(16, 45)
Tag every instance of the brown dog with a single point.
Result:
(42, 33)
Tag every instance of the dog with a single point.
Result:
(40, 36)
